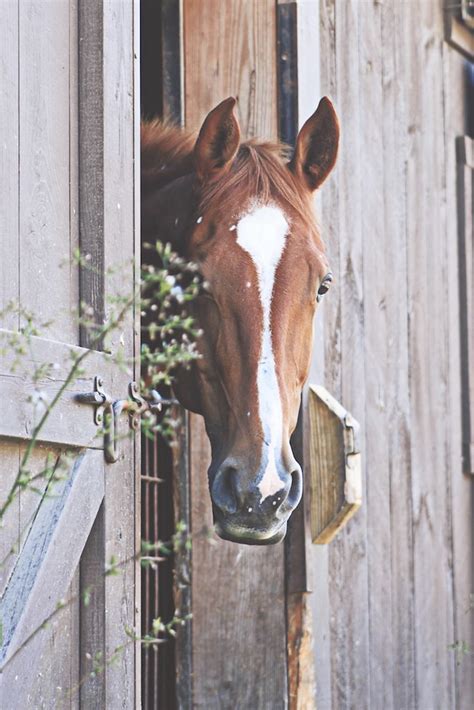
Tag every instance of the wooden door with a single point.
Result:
(68, 141)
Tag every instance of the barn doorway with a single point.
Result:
(160, 91)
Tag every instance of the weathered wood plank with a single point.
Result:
(465, 201)
(91, 160)
(46, 249)
(76, 498)
(32, 683)
(183, 561)
(301, 680)
(92, 614)
(91, 286)
(60, 635)
(239, 55)
(9, 284)
(462, 492)
(71, 422)
(428, 351)
(120, 248)
(348, 563)
(334, 468)
(375, 267)
(396, 409)
(406, 125)
(234, 42)
(10, 526)
(327, 346)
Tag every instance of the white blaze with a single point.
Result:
(262, 234)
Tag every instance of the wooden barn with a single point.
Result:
(379, 615)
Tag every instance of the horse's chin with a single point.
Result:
(250, 537)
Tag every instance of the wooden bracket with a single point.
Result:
(335, 478)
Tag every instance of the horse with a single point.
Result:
(243, 212)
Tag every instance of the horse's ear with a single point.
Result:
(218, 140)
(316, 146)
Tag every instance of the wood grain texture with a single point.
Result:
(9, 128)
(428, 352)
(91, 160)
(334, 468)
(230, 50)
(45, 132)
(239, 644)
(183, 560)
(375, 286)
(462, 491)
(120, 248)
(394, 193)
(396, 382)
(73, 422)
(10, 529)
(320, 77)
(42, 555)
(301, 680)
(92, 615)
(42, 91)
(348, 552)
(465, 189)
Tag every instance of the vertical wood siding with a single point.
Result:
(39, 232)
(400, 575)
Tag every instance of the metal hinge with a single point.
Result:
(107, 411)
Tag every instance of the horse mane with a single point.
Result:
(260, 168)
(166, 153)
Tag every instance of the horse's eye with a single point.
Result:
(324, 286)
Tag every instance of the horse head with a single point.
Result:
(243, 213)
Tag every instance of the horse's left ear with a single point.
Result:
(316, 146)
(218, 140)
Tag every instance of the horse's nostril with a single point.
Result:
(223, 491)
(296, 488)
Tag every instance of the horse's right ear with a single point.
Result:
(218, 140)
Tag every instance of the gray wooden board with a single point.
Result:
(328, 318)
(91, 283)
(91, 160)
(39, 683)
(348, 553)
(462, 491)
(428, 345)
(40, 164)
(465, 216)
(183, 561)
(73, 421)
(376, 346)
(120, 248)
(69, 504)
(46, 248)
(396, 413)
(400, 93)
(10, 528)
(9, 284)
(92, 615)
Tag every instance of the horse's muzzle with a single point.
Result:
(240, 513)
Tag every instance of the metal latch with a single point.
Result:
(351, 435)
(107, 411)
